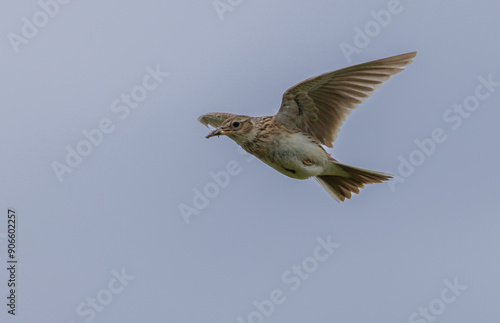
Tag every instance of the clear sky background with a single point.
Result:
(123, 233)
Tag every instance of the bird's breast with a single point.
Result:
(295, 155)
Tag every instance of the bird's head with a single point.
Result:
(237, 128)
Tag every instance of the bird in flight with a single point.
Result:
(310, 116)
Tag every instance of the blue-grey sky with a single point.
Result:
(126, 213)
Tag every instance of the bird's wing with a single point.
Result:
(215, 119)
(319, 105)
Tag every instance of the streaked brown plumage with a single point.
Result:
(311, 115)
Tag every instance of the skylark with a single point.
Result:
(311, 115)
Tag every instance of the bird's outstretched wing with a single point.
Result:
(215, 119)
(319, 105)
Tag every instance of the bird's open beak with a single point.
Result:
(218, 132)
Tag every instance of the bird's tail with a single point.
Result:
(349, 179)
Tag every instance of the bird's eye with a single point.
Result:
(236, 124)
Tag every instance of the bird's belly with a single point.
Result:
(297, 156)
